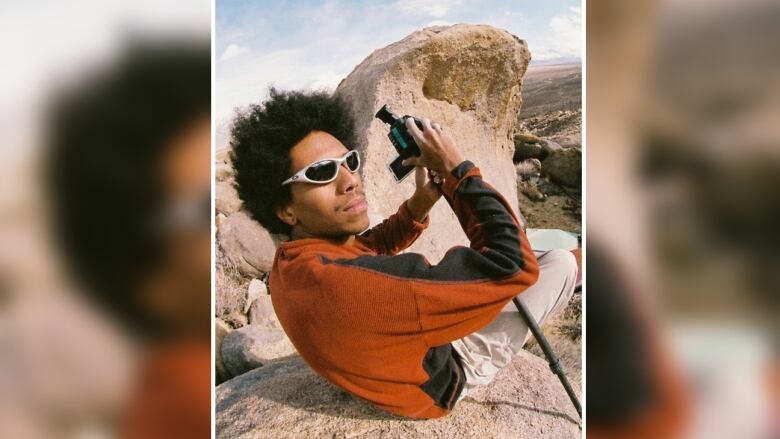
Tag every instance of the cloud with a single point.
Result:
(233, 51)
(567, 33)
(431, 8)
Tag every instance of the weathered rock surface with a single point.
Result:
(527, 146)
(261, 313)
(221, 329)
(548, 147)
(246, 244)
(254, 291)
(570, 141)
(226, 197)
(223, 171)
(287, 400)
(525, 151)
(466, 77)
(253, 346)
(564, 166)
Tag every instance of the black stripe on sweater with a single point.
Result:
(446, 376)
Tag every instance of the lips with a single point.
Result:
(356, 205)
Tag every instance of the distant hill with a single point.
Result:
(548, 88)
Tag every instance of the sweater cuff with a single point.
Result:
(406, 216)
(459, 173)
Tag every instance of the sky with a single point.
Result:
(315, 44)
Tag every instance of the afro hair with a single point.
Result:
(262, 138)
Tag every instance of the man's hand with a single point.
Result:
(426, 194)
(438, 150)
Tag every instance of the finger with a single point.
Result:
(411, 161)
(426, 124)
(436, 126)
(414, 131)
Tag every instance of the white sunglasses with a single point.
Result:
(325, 171)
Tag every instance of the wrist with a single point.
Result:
(452, 164)
(419, 206)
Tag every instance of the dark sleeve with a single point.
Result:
(395, 233)
(470, 285)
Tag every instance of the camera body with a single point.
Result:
(402, 141)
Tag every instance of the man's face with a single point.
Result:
(333, 210)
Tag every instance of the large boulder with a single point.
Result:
(527, 146)
(564, 166)
(466, 77)
(287, 400)
(246, 244)
(253, 346)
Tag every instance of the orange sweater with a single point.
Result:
(378, 324)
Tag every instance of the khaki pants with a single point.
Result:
(488, 350)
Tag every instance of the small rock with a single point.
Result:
(226, 198)
(250, 347)
(246, 244)
(255, 290)
(221, 329)
(261, 313)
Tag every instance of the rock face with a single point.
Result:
(253, 346)
(466, 77)
(287, 400)
(247, 244)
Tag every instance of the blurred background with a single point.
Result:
(104, 219)
(683, 207)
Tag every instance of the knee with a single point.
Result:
(563, 261)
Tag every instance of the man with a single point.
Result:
(389, 328)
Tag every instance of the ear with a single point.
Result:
(287, 215)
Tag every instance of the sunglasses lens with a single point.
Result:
(353, 161)
(323, 171)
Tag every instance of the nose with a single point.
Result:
(347, 181)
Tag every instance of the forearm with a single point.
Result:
(419, 206)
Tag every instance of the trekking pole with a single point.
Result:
(555, 364)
